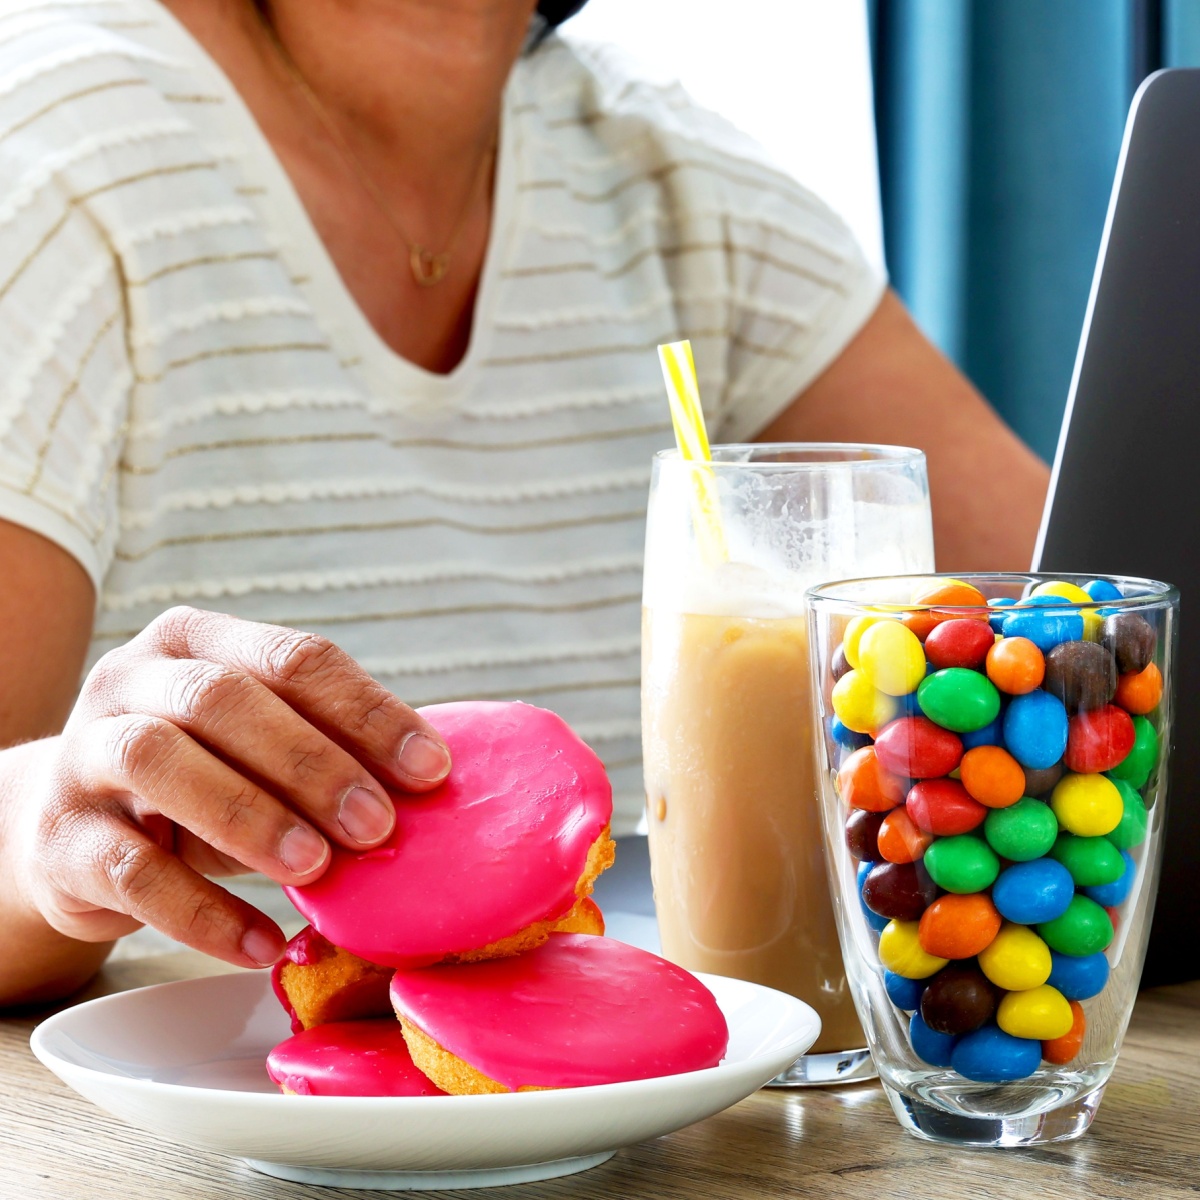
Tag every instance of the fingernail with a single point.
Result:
(364, 816)
(303, 850)
(261, 945)
(423, 758)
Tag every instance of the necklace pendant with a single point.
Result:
(428, 269)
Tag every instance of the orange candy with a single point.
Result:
(992, 776)
(1061, 1050)
(1016, 666)
(958, 926)
(950, 592)
(863, 783)
(1140, 691)
(899, 840)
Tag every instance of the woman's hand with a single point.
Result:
(210, 745)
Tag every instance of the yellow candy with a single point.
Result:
(1087, 805)
(853, 636)
(1068, 591)
(1017, 959)
(892, 658)
(859, 705)
(901, 952)
(1041, 1013)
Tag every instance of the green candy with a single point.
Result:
(1136, 766)
(1131, 831)
(1023, 831)
(962, 864)
(1092, 861)
(959, 699)
(1083, 929)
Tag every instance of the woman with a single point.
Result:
(339, 315)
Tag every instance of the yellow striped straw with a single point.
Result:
(683, 393)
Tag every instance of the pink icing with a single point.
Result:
(500, 845)
(349, 1058)
(305, 949)
(578, 1010)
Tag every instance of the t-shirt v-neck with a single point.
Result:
(385, 372)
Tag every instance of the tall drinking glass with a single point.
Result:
(735, 835)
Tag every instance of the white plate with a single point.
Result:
(186, 1060)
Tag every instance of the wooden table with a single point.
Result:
(832, 1143)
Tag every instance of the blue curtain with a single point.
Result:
(999, 125)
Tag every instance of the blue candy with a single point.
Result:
(989, 1055)
(997, 621)
(847, 737)
(934, 1048)
(1035, 729)
(1044, 629)
(904, 993)
(1111, 894)
(874, 920)
(1031, 893)
(1078, 978)
(1101, 589)
(989, 735)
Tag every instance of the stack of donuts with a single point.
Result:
(473, 925)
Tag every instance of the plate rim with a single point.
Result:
(44, 1029)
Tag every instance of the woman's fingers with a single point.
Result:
(249, 726)
(153, 760)
(105, 873)
(319, 681)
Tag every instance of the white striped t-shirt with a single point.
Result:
(192, 405)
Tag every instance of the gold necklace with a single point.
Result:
(428, 268)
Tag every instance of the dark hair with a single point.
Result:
(555, 12)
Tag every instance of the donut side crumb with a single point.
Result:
(448, 1071)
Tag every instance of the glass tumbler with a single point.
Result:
(993, 767)
(735, 839)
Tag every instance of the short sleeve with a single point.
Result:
(801, 289)
(65, 376)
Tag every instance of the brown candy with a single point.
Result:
(899, 891)
(958, 1000)
(1082, 675)
(1039, 782)
(839, 666)
(862, 834)
(1130, 638)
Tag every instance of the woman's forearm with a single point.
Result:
(37, 963)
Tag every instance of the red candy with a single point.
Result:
(944, 807)
(917, 748)
(1098, 740)
(959, 643)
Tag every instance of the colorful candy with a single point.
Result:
(943, 807)
(992, 776)
(1016, 666)
(1041, 1012)
(917, 748)
(1025, 831)
(1089, 805)
(992, 757)
(1035, 729)
(891, 657)
(1030, 893)
(959, 699)
(958, 999)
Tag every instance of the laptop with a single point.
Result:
(1125, 490)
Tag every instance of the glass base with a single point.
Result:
(823, 1070)
(934, 1124)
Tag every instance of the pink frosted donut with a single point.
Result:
(508, 843)
(348, 1058)
(578, 1010)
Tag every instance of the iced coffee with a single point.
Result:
(735, 835)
